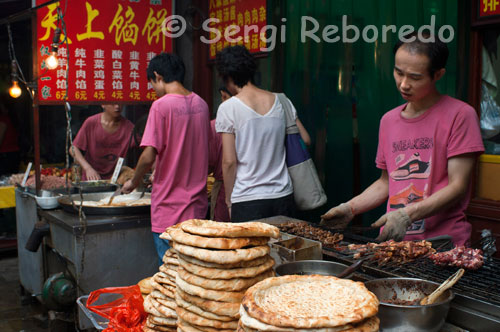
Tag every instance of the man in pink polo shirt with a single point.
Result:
(427, 150)
(176, 136)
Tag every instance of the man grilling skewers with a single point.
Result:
(102, 139)
(426, 151)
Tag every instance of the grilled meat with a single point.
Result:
(398, 252)
(303, 229)
(461, 256)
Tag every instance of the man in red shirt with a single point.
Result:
(103, 138)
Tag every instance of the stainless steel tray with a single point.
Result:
(65, 202)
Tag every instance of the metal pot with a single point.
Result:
(307, 267)
(409, 318)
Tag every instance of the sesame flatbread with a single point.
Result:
(178, 235)
(209, 294)
(193, 308)
(222, 256)
(230, 285)
(195, 319)
(227, 229)
(226, 273)
(309, 301)
(216, 307)
(252, 263)
(187, 327)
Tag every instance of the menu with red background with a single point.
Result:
(110, 43)
(240, 13)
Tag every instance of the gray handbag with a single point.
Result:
(307, 190)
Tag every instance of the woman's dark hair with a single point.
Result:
(436, 50)
(237, 63)
(169, 66)
(223, 88)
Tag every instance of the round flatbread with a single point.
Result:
(178, 235)
(252, 263)
(169, 291)
(167, 303)
(229, 285)
(159, 320)
(194, 328)
(191, 307)
(209, 294)
(148, 329)
(227, 229)
(252, 324)
(165, 311)
(149, 307)
(170, 261)
(158, 295)
(219, 308)
(215, 273)
(195, 319)
(222, 256)
(163, 278)
(311, 301)
(161, 328)
(145, 285)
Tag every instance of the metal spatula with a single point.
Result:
(117, 192)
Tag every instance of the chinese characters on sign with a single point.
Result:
(250, 16)
(489, 8)
(110, 44)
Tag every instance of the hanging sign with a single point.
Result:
(248, 16)
(110, 44)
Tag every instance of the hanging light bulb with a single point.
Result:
(15, 90)
(52, 61)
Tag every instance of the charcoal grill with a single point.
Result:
(476, 306)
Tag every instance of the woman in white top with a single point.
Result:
(252, 123)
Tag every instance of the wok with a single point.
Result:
(65, 202)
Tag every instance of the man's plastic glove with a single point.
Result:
(338, 217)
(395, 225)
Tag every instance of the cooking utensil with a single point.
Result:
(67, 206)
(409, 318)
(308, 267)
(117, 192)
(448, 283)
(353, 267)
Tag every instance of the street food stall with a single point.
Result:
(112, 247)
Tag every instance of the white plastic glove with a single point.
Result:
(338, 217)
(396, 223)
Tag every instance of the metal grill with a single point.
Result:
(483, 284)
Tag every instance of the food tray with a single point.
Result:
(99, 322)
(294, 249)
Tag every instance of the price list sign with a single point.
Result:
(249, 16)
(109, 45)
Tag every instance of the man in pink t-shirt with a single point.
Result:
(427, 150)
(176, 136)
(101, 140)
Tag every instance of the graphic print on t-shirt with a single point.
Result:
(411, 168)
(407, 196)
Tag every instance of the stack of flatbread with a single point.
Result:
(218, 262)
(308, 303)
(160, 303)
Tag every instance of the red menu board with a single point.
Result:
(489, 8)
(247, 15)
(110, 43)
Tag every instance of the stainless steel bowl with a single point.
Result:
(307, 267)
(409, 318)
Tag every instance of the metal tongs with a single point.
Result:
(117, 192)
